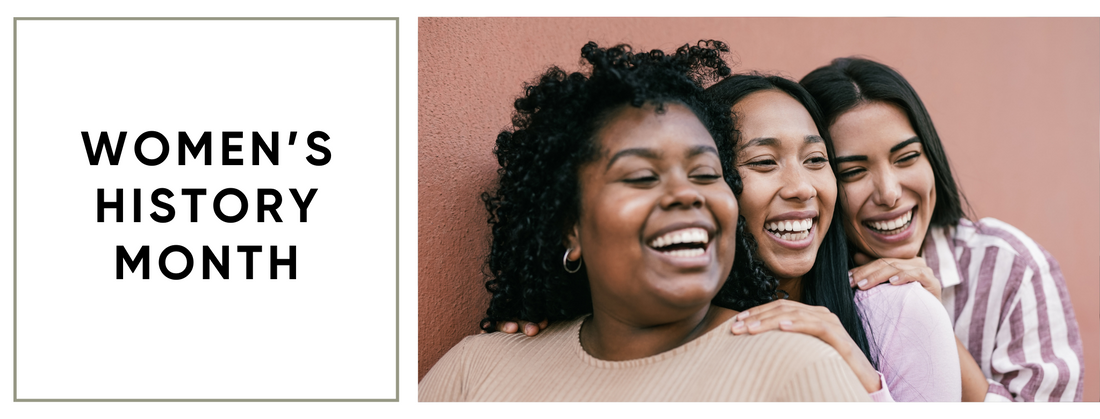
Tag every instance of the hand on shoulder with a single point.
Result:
(872, 272)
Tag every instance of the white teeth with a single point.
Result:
(688, 235)
(686, 253)
(892, 224)
(799, 228)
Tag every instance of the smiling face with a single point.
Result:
(789, 187)
(657, 220)
(887, 185)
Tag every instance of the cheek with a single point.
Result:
(826, 195)
(724, 207)
(617, 216)
(825, 184)
(930, 186)
(852, 196)
(753, 201)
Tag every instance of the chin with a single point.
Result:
(786, 268)
(691, 296)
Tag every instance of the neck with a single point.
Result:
(792, 286)
(604, 336)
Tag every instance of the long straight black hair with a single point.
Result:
(848, 82)
(826, 284)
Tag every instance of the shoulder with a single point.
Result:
(908, 305)
(801, 367)
(993, 233)
(797, 348)
(887, 295)
(1019, 255)
(488, 349)
(499, 344)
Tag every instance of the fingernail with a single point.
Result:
(737, 325)
(862, 283)
(785, 323)
(894, 279)
(529, 329)
(754, 325)
(849, 274)
(742, 315)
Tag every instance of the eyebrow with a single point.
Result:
(896, 147)
(846, 159)
(903, 144)
(771, 141)
(761, 141)
(646, 153)
(649, 153)
(700, 149)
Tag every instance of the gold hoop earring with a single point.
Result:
(565, 262)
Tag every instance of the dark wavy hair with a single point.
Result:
(826, 284)
(537, 196)
(848, 82)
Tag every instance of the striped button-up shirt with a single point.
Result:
(1008, 301)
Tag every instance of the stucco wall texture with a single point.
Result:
(1016, 102)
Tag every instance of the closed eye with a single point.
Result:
(706, 177)
(909, 157)
(850, 173)
(817, 162)
(640, 180)
(760, 163)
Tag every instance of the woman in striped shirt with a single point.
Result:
(1016, 332)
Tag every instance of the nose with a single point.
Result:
(887, 189)
(797, 186)
(682, 193)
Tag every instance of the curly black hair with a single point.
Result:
(537, 197)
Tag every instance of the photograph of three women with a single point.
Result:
(759, 209)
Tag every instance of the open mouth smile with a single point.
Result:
(790, 230)
(893, 226)
(683, 243)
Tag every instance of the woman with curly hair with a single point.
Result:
(615, 219)
(789, 202)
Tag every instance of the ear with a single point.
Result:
(573, 243)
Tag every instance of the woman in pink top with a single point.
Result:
(783, 155)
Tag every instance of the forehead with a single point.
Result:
(632, 127)
(773, 113)
(874, 126)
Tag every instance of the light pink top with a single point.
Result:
(912, 339)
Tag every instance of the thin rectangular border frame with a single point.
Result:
(15, 195)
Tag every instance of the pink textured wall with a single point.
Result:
(1016, 102)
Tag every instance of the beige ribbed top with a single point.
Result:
(718, 366)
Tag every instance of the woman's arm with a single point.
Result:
(974, 384)
(913, 342)
(1036, 352)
